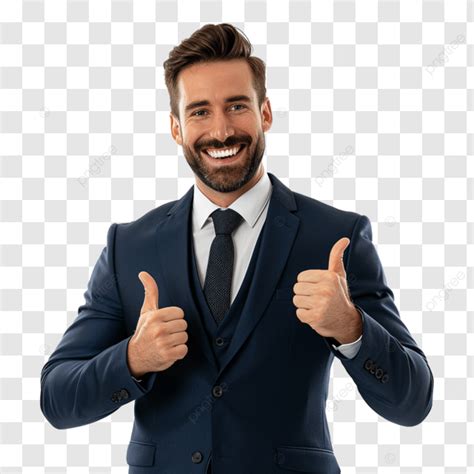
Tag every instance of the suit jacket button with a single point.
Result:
(196, 457)
(220, 341)
(368, 364)
(279, 458)
(217, 391)
(124, 393)
(114, 397)
(379, 373)
(384, 379)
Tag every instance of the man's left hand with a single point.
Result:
(323, 301)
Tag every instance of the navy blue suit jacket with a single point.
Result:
(268, 416)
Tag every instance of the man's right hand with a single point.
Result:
(160, 336)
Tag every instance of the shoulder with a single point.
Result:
(321, 213)
(145, 224)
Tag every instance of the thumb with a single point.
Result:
(335, 257)
(150, 301)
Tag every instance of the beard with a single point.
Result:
(227, 178)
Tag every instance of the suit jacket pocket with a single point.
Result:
(307, 459)
(140, 454)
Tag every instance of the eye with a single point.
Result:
(194, 113)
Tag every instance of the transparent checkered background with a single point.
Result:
(371, 113)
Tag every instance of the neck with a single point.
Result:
(226, 199)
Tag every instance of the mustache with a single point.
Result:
(228, 143)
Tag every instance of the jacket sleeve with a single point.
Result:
(391, 372)
(87, 377)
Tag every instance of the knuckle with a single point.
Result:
(327, 292)
(183, 351)
(165, 354)
(160, 331)
(150, 314)
(177, 311)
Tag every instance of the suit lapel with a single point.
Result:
(174, 259)
(279, 232)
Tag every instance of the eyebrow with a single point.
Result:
(202, 103)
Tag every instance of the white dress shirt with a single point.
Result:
(253, 207)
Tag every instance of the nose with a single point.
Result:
(221, 127)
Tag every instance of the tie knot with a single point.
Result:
(225, 221)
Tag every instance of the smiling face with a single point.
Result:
(218, 109)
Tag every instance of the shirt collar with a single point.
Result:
(249, 205)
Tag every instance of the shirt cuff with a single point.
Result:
(350, 349)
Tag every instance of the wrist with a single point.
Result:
(355, 328)
(132, 360)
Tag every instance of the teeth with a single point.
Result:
(223, 153)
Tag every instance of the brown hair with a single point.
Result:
(212, 43)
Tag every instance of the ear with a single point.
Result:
(175, 129)
(267, 116)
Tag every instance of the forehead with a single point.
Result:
(214, 81)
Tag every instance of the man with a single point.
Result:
(220, 313)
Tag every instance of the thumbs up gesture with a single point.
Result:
(160, 335)
(323, 301)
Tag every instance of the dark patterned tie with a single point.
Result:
(217, 286)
